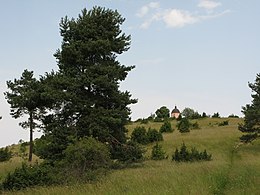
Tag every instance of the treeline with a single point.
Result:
(163, 113)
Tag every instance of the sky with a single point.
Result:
(199, 54)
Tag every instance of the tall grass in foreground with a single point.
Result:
(235, 169)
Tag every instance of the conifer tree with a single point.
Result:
(251, 126)
(24, 96)
(86, 86)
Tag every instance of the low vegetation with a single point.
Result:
(234, 168)
(5, 154)
(185, 155)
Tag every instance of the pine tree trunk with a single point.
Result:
(31, 137)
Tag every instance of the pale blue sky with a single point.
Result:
(190, 53)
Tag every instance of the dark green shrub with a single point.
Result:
(247, 138)
(184, 155)
(87, 154)
(5, 154)
(224, 123)
(153, 135)
(184, 125)
(216, 115)
(233, 116)
(158, 153)
(144, 121)
(139, 135)
(166, 127)
(26, 176)
(130, 152)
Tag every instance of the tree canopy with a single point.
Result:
(162, 113)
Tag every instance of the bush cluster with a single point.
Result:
(184, 155)
(5, 154)
(141, 136)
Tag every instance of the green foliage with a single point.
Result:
(154, 136)
(84, 92)
(27, 176)
(184, 125)
(249, 137)
(184, 155)
(162, 113)
(25, 98)
(233, 116)
(144, 121)
(223, 123)
(204, 115)
(190, 113)
(86, 154)
(215, 115)
(195, 125)
(5, 154)
(251, 124)
(130, 152)
(158, 153)
(166, 127)
(139, 135)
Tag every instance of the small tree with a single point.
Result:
(158, 153)
(190, 113)
(187, 112)
(184, 125)
(25, 99)
(251, 126)
(162, 113)
(204, 115)
(166, 127)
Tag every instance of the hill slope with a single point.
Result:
(235, 168)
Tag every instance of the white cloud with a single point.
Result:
(146, 8)
(208, 4)
(143, 11)
(179, 18)
(154, 5)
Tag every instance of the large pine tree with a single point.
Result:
(251, 126)
(86, 86)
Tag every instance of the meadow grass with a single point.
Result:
(235, 168)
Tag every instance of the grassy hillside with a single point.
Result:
(235, 168)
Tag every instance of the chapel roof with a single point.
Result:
(175, 110)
